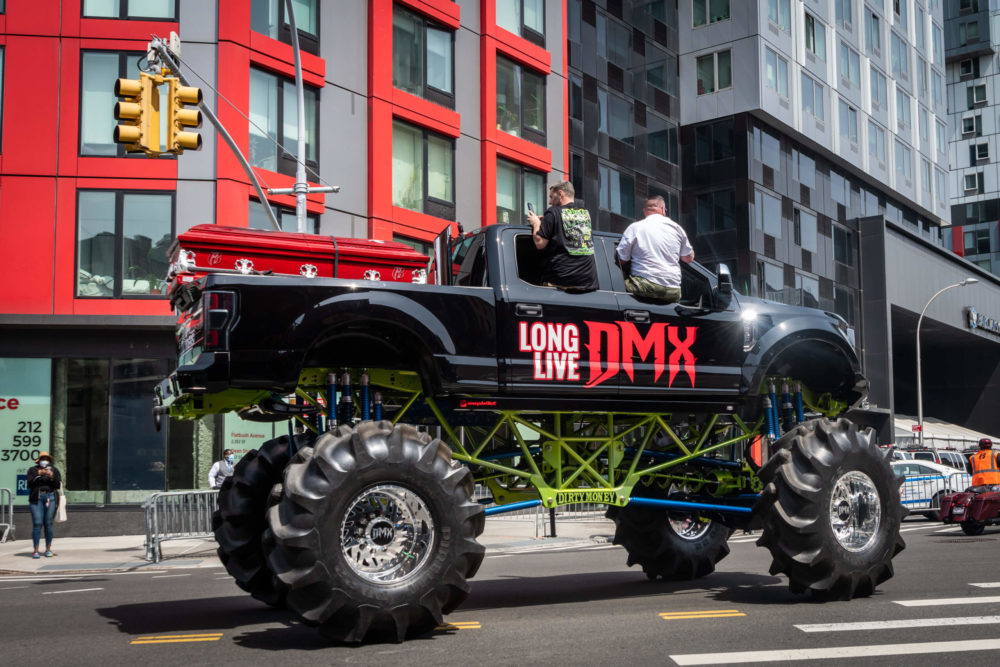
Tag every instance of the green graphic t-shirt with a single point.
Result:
(571, 247)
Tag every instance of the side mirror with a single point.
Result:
(725, 279)
(442, 257)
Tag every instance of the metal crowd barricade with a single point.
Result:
(178, 515)
(922, 493)
(6, 514)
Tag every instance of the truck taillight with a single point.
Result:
(219, 312)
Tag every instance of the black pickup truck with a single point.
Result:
(687, 420)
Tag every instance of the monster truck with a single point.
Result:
(687, 420)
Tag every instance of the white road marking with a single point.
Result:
(988, 584)
(11, 588)
(80, 577)
(166, 576)
(601, 546)
(902, 623)
(501, 556)
(930, 525)
(836, 652)
(78, 590)
(934, 602)
(949, 531)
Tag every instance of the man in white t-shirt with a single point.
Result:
(655, 247)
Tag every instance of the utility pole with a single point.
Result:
(301, 187)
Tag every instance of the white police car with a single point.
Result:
(925, 483)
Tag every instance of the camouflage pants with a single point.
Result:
(648, 289)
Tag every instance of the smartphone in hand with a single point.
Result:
(531, 209)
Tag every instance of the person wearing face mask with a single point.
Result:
(44, 482)
(221, 469)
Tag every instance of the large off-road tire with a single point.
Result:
(671, 545)
(973, 528)
(375, 536)
(830, 510)
(240, 520)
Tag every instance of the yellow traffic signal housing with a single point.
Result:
(140, 111)
(179, 117)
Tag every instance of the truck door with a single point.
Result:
(550, 340)
(677, 350)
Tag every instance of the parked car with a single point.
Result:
(926, 482)
(949, 457)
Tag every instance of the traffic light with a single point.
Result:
(140, 111)
(179, 117)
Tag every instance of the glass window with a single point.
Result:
(661, 69)
(937, 88)
(523, 17)
(710, 11)
(899, 7)
(968, 32)
(776, 72)
(926, 179)
(423, 171)
(922, 77)
(714, 141)
(803, 168)
(977, 241)
(843, 245)
(715, 72)
(940, 189)
(812, 97)
(815, 36)
(268, 18)
(520, 101)
(155, 10)
(937, 37)
(843, 303)
(873, 33)
(767, 148)
(904, 169)
(620, 116)
(876, 141)
(614, 41)
(715, 211)
(880, 96)
(850, 65)
(808, 288)
(975, 95)
(805, 229)
(661, 138)
(848, 122)
(941, 136)
(286, 218)
(900, 57)
(903, 110)
(920, 29)
(839, 188)
(99, 69)
(122, 243)
(422, 57)
(779, 12)
(273, 105)
(772, 280)
(924, 129)
(768, 211)
(517, 187)
(617, 191)
(845, 13)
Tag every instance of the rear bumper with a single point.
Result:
(208, 374)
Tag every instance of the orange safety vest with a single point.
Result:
(984, 468)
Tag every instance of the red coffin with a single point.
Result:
(211, 248)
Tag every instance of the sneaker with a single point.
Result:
(35, 555)
(49, 554)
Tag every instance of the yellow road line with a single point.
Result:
(707, 611)
(177, 639)
(461, 625)
(677, 617)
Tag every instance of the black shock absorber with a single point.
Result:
(346, 402)
(787, 409)
(378, 406)
(365, 402)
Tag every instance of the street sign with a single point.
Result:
(916, 428)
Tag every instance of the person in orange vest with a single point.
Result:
(985, 464)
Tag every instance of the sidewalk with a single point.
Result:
(128, 552)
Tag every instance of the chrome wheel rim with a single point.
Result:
(388, 534)
(855, 511)
(686, 526)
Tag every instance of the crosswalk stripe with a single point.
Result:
(76, 590)
(902, 623)
(934, 602)
(739, 657)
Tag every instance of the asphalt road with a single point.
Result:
(577, 606)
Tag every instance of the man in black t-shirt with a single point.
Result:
(564, 233)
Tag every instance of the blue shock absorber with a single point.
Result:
(331, 400)
(772, 430)
(365, 403)
(346, 402)
(772, 393)
(378, 406)
(787, 411)
(800, 413)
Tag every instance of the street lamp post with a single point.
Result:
(920, 395)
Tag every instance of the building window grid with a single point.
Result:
(525, 18)
(813, 101)
(848, 122)
(815, 36)
(873, 35)
(900, 57)
(705, 12)
(903, 111)
(518, 186)
(904, 167)
(423, 171)
(137, 10)
(850, 65)
(520, 101)
(776, 72)
(879, 89)
(268, 17)
(876, 141)
(845, 13)
(779, 12)
(273, 134)
(97, 99)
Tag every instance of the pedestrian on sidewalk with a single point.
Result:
(44, 482)
(221, 469)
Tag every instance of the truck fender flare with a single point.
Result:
(774, 343)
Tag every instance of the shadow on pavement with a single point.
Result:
(159, 617)
(574, 588)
